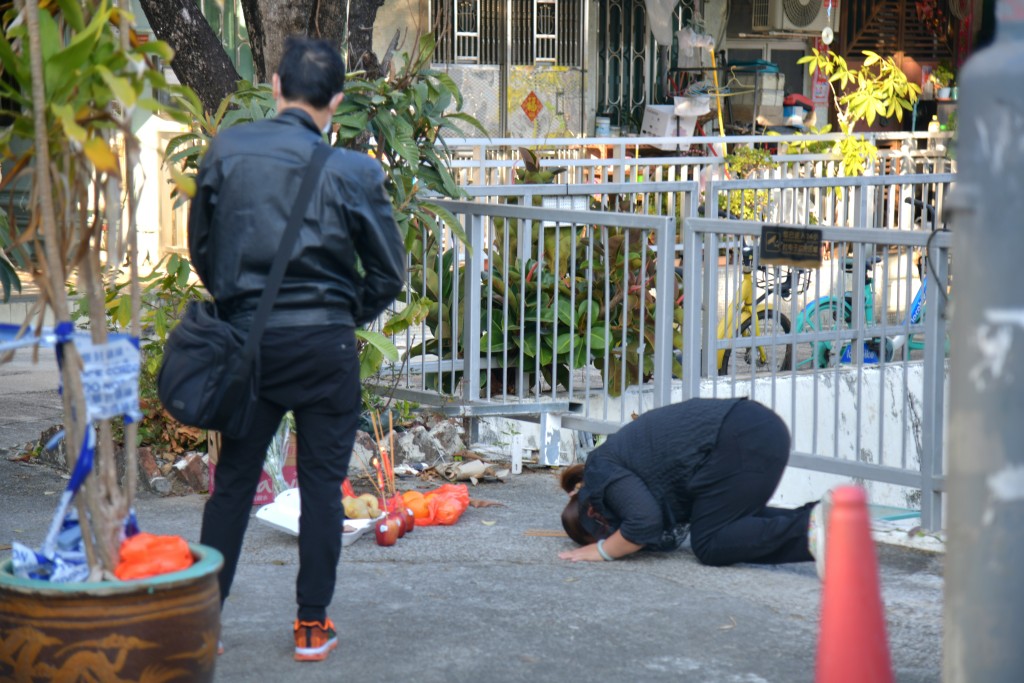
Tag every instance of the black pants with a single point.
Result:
(730, 521)
(314, 372)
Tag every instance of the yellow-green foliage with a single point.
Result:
(878, 88)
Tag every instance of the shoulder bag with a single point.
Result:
(210, 374)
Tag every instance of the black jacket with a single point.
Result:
(247, 184)
(637, 481)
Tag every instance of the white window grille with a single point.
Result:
(467, 32)
(545, 31)
(477, 31)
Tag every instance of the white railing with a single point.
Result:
(494, 161)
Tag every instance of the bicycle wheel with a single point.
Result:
(823, 318)
(777, 358)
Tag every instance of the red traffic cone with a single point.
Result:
(852, 646)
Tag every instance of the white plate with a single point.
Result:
(283, 515)
(361, 527)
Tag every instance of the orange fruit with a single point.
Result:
(408, 496)
(419, 507)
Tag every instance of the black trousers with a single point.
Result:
(731, 521)
(314, 372)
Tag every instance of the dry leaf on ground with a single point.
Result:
(478, 503)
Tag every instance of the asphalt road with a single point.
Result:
(488, 599)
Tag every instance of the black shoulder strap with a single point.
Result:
(284, 252)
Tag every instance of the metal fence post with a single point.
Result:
(472, 284)
(663, 305)
(692, 291)
(984, 597)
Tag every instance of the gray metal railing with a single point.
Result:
(541, 313)
(568, 317)
(862, 390)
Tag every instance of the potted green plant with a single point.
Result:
(944, 78)
(74, 75)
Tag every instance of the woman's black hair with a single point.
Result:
(571, 481)
(311, 71)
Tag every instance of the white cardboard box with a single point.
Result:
(660, 120)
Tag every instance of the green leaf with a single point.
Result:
(71, 10)
(467, 119)
(493, 343)
(156, 47)
(399, 136)
(449, 85)
(377, 340)
(184, 273)
(598, 338)
(565, 312)
(160, 324)
(564, 343)
(66, 116)
(63, 66)
(370, 360)
(124, 312)
(122, 88)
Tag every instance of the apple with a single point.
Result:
(410, 520)
(398, 519)
(386, 532)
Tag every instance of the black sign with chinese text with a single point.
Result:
(788, 245)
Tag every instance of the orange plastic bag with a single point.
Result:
(445, 505)
(145, 555)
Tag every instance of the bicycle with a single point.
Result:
(758, 317)
(823, 314)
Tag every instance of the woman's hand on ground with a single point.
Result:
(616, 546)
(587, 553)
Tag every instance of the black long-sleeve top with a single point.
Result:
(637, 480)
(247, 184)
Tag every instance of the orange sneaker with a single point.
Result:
(314, 640)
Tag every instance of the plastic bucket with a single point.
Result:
(602, 126)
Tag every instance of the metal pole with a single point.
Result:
(984, 601)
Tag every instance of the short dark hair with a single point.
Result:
(311, 71)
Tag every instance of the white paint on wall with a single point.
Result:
(1007, 485)
(994, 338)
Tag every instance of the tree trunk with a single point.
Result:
(200, 61)
(361, 16)
(271, 21)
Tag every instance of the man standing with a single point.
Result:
(247, 184)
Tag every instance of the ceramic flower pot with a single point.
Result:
(164, 628)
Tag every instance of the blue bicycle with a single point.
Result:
(830, 313)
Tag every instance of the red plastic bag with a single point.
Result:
(145, 555)
(445, 505)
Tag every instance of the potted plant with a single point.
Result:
(944, 78)
(74, 74)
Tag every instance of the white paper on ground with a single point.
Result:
(283, 515)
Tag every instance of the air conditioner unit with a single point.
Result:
(794, 16)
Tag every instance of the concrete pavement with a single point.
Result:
(488, 599)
